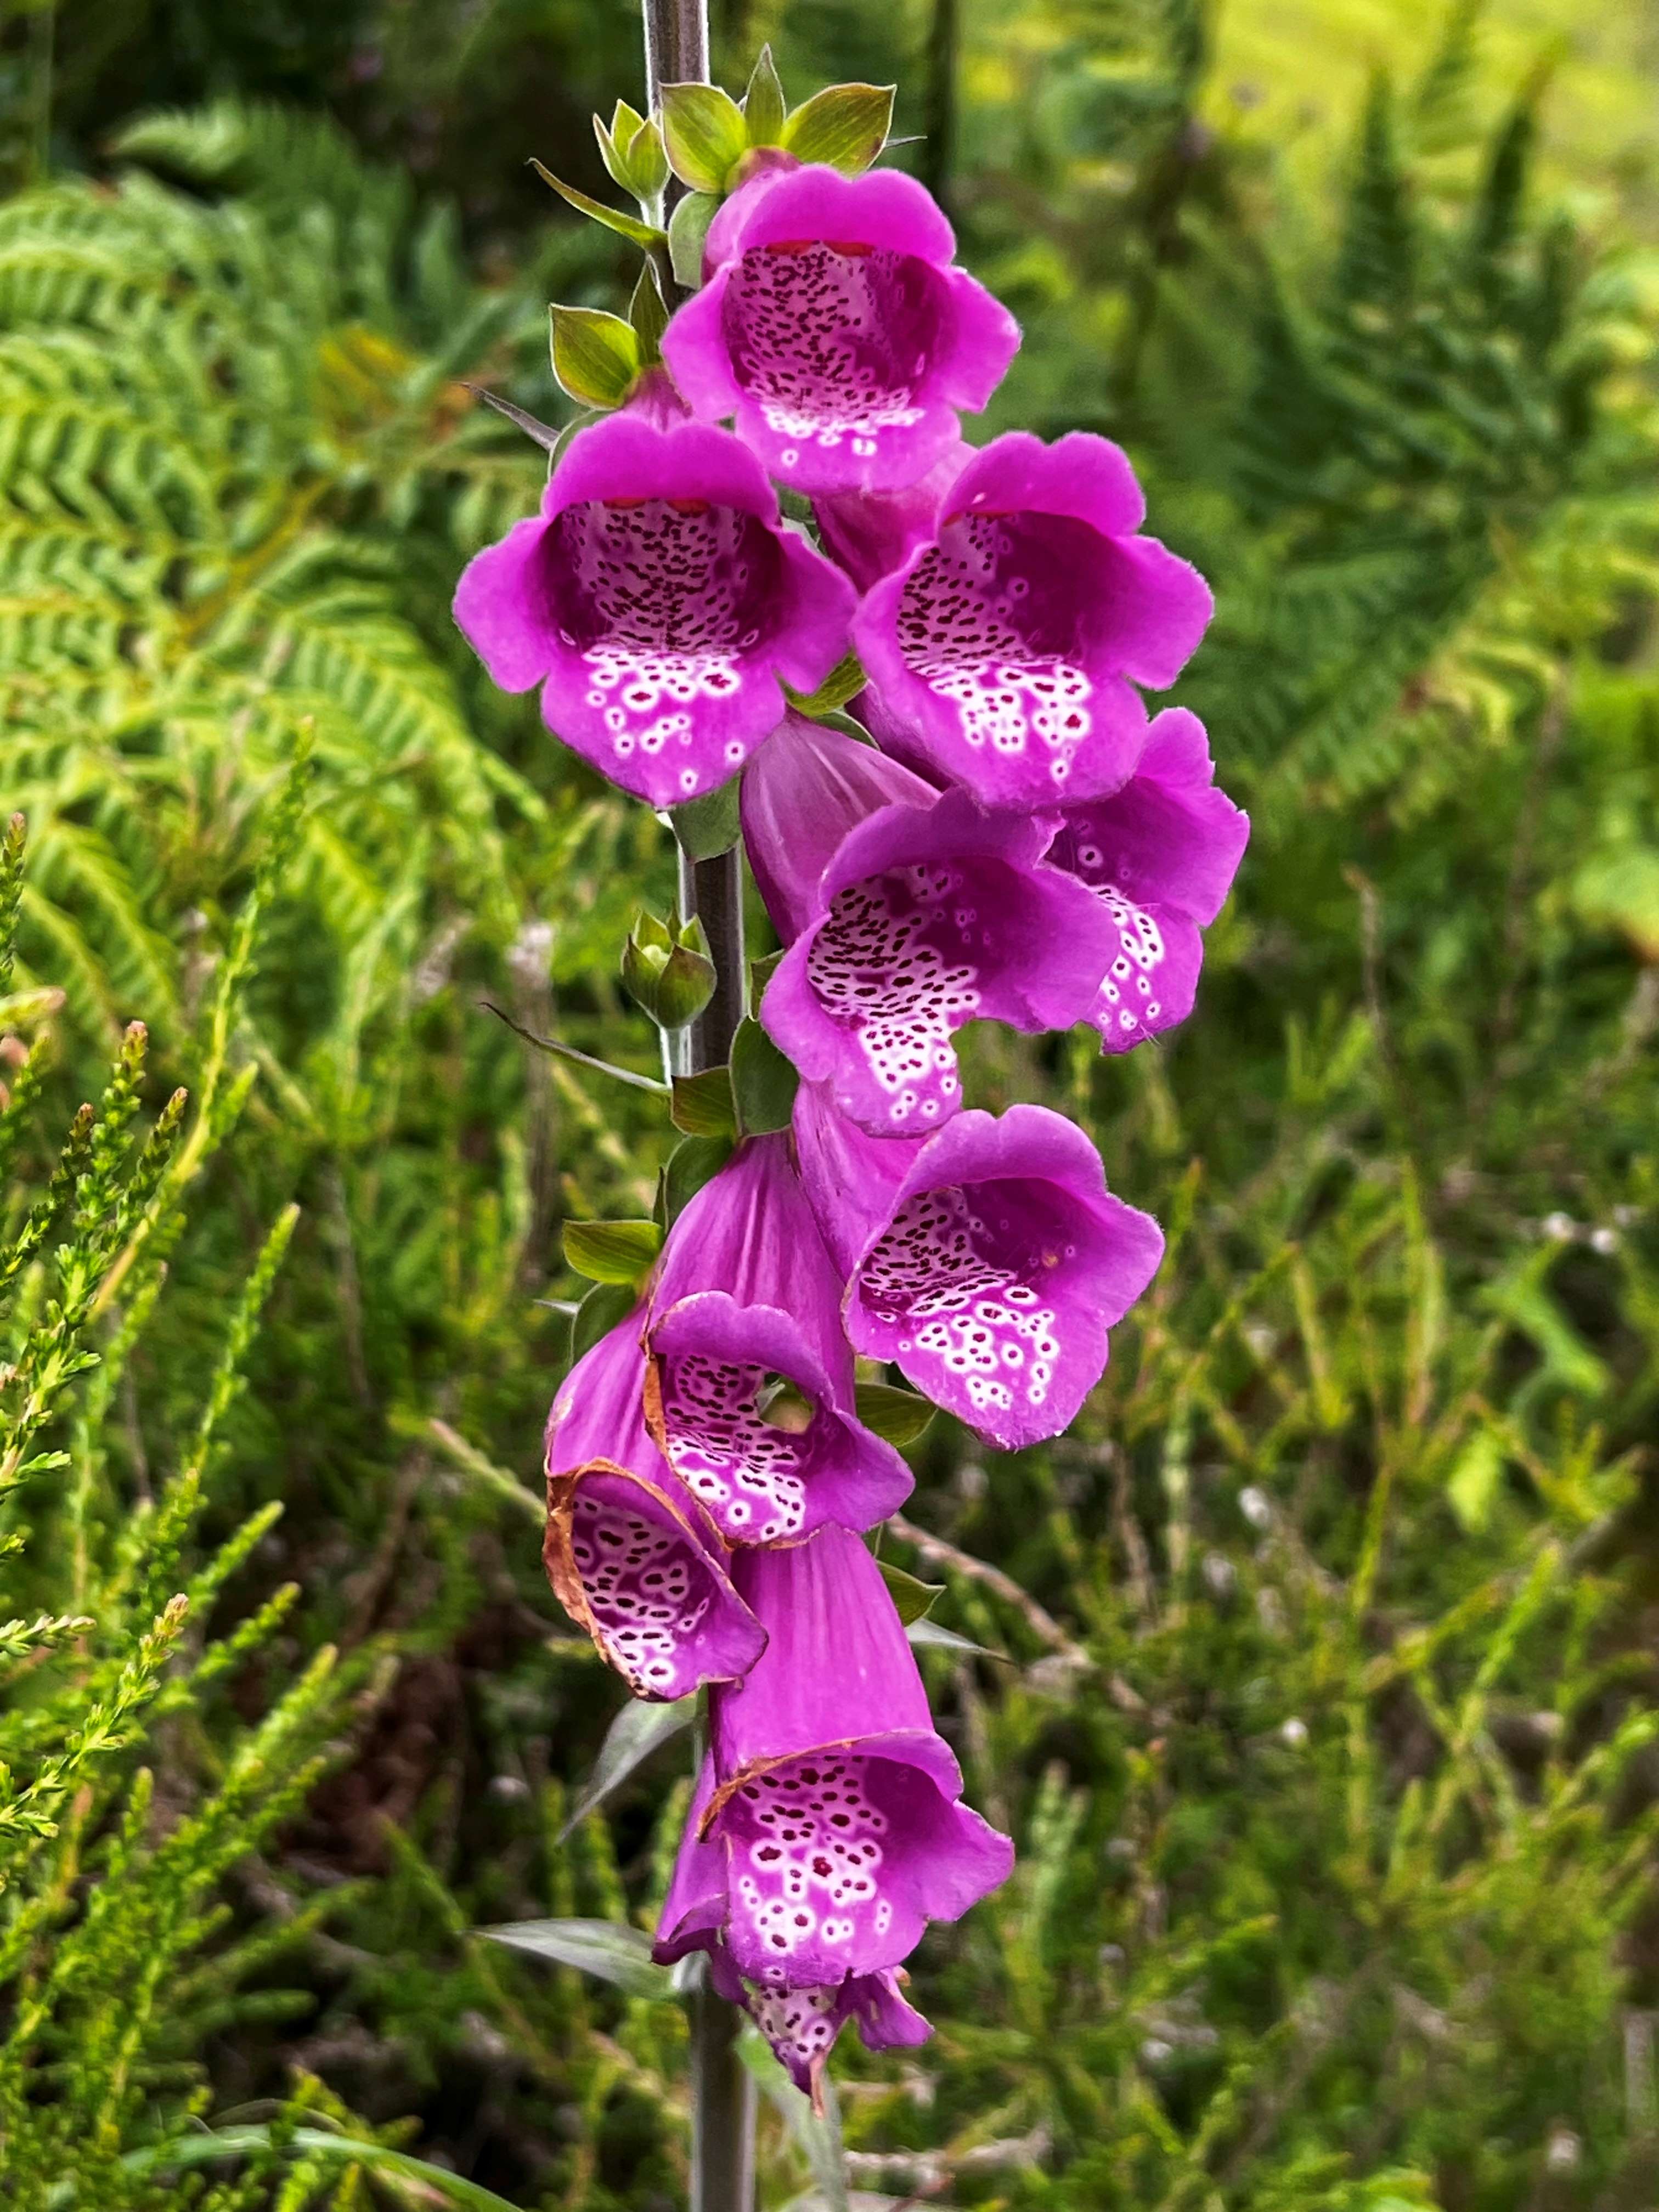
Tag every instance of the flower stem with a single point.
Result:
(722, 2089)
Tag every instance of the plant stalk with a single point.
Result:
(722, 2089)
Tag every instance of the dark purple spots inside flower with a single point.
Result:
(647, 1587)
(994, 620)
(1134, 995)
(800, 1882)
(748, 1473)
(959, 1275)
(898, 961)
(664, 599)
(832, 340)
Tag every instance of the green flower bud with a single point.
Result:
(667, 970)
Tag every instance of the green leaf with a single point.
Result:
(690, 1165)
(900, 1416)
(708, 826)
(423, 2181)
(647, 314)
(605, 1307)
(763, 105)
(763, 1083)
(640, 1728)
(556, 1050)
(608, 1949)
(702, 1104)
(915, 1600)
(929, 1635)
(612, 1251)
(844, 682)
(845, 126)
(688, 227)
(703, 134)
(645, 234)
(595, 356)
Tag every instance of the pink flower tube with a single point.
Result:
(827, 1829)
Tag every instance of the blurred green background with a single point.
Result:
(1327, 1731)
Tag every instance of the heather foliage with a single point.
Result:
(1315, 1672)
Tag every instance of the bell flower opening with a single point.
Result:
(835, 328)
(660, 603)
(829, 1830)
(749, 1391)
(1160, 855)
(929, 918)
(801, 2025)
(1011, 643)
(988, 1261)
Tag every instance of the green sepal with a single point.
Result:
(667, 968)
(703, 134)
(647, 314)
(763, 105)
(645, 234)
(929, 1636)
(708, 826)
(688, 228)
(631, 149)
(915, 1600)
(692, 1164)
(898, 1416)
(605, 1307)
(845, 126)
(595, 356)
(763, 1083)
(844, 682)
(761, 972)
(702, 1104)
(621, 1252)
